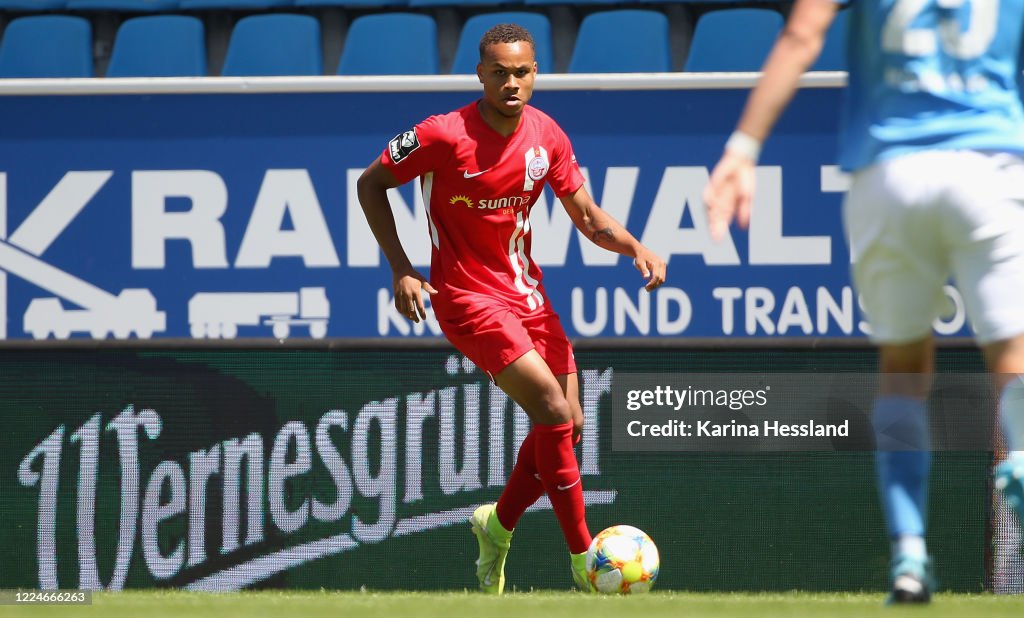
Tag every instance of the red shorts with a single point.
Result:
(495, 337)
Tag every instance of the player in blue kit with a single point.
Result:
(933, 133)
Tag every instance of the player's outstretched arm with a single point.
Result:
(730, 191)
(601, 228)
(372, 189)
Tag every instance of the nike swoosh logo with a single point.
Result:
(570, 486)
(467, 175)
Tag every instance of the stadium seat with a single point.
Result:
(47, 46)
(274, 44)
(467, 54)
(29, 6)
(233, 5)
(733, 39)
(585, 2)
(353, 4)
(833, 55)
(411, 46)
(458, 3)
(622, 41)
(125, 6)
(159, 46)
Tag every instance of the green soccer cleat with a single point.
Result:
(912, 581)
(494, 542)
(579, 571)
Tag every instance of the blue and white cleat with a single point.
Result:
(912, 581)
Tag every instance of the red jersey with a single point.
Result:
(479, 187)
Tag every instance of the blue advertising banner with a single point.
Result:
(220, 216)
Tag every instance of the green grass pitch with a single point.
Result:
(515, 605)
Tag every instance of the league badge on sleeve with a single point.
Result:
(402, 145)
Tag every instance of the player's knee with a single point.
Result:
(556, 410)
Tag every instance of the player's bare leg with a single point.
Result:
(902, 462)
(1005, 359)
(530, 383)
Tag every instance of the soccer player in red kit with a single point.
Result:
(481, 169)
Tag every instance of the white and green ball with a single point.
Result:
(622, 560)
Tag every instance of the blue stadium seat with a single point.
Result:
(586, 2)
(411, 47)
(47, 46)
(274, 44)
(31, 5)
(233, 5)
(159, 46)
(353, 4)
(467, 54)
(833, 55)
(623, 41)
(125, 6)
(733, 39)
(458, 3)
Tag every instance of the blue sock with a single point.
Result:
(1011, 414)
(902, 460)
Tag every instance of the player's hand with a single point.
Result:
(650, 266)
(409, 286)
(729, 194)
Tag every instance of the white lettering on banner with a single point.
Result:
(153, 225)
(388, 317)
(767, 244)
(411, 224)
(288, 192)
(676, 224)
(336, 466)
(249, 450)
(681, 191)
(154, 513)
(202, 464)
(552, 228)
(673, 311)
(281, 470)
(760, 316)
(834, 180)
(371, 471)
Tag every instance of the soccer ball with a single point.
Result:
(622, 560)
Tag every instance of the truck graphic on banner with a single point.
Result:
(102, 313)
(219, 314)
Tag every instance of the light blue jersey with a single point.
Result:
(931, 74)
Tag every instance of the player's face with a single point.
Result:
(507, 71)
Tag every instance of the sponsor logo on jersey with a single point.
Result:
(461, 199)
(513, 201)
(402, 145)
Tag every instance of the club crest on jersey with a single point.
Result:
(402, 145)
(536, 166)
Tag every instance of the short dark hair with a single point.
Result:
(505, 33)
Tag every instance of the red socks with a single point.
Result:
(560, 475)
(523, 487)
(547, 451)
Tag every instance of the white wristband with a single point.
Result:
(741, 143)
